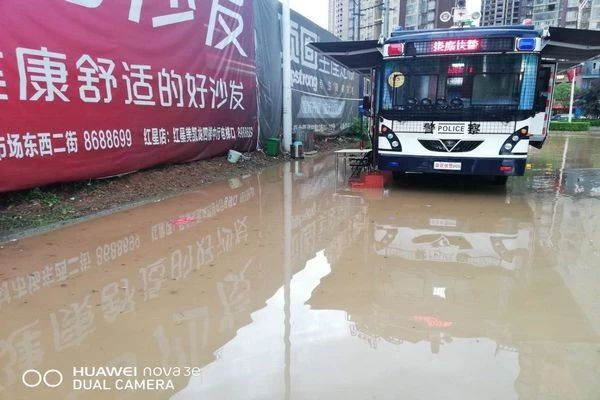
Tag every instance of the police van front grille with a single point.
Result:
(461, 147)
(466, 145)
(433, 145)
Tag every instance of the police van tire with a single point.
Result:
(500, 180)
(397, 175)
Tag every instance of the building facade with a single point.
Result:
(544, 13)
(562, 13)
(424, 14)
(369, 19)
(362, 19)
(506, 12)
(342, 19)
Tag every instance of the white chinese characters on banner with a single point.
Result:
(218, 13)
(3, 96)
(15, 146)
(45, 71)
(177, 17)
(91, 73)
(155, 136)
(31, 149)
(222, 19)
(135, 13)
(196, 88)
(237, 96)
(170, 87)
(43, 144)
(219, 92)
(209, 133)
(139, 90)
(87, 3)
(97, 77)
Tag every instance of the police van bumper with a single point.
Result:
(500, 166)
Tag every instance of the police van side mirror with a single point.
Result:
(366, 103)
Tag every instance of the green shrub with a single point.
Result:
(569, 126)
(594, 122)
(354, 129)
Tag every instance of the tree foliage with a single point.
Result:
(562, 94)
(589, 99)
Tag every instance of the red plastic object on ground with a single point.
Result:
(371, 180)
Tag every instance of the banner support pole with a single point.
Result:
(572, 94)
(287, 75)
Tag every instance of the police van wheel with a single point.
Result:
(500, 180)
(397, 175)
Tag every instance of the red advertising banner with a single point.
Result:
(95, 88)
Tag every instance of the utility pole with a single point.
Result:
(287, 75)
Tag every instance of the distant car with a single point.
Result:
(560, 117)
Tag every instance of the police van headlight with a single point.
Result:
(510, 143)
(391, 137)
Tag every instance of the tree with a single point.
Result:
(589, 99)
(562, 94)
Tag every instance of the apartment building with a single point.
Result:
(424, 14)
(506, 12)
(369, 19)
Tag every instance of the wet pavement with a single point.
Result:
(286, 285)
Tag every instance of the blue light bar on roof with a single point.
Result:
(526, 44)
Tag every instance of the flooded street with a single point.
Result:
(287, 285)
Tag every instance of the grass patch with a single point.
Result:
(33, 208)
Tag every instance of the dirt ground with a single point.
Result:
(39, 207)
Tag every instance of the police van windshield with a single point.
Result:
(460, 86)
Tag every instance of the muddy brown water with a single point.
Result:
(286, 285)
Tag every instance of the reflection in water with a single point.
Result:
(277, 286)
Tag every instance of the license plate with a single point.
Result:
(451, 128)
(447, 166)
(442, 222)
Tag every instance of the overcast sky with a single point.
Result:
(316, 10)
